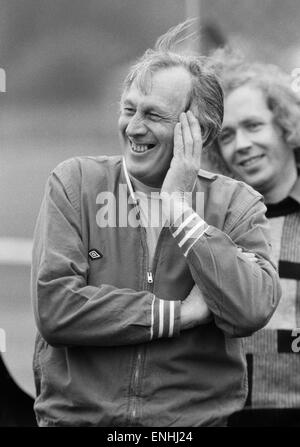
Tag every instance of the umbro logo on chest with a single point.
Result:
(95, 254)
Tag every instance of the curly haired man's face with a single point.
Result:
(251, 144)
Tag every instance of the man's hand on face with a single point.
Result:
(185, 164)
(194, 310)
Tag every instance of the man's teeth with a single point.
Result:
(251, 160)
(140, 147)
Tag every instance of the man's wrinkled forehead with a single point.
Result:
(146, 82)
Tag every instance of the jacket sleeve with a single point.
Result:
(70, 312)
(241, 294)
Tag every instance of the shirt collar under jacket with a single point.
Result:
(135, 185)
(128, 181)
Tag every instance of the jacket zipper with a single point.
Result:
(136, 376)
(151, 271)
(149, 277)
(149, 286)
(135, 385)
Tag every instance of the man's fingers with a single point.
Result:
(186, 135)
(187, 140)
(195, 130)
(178, 140)
(251, 256)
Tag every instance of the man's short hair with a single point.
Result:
(206, 96)
(276, 86)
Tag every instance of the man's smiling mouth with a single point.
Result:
(140, 148)
(250, 161)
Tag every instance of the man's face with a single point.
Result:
(147, 122)
(251, 144)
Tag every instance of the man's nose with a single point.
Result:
(242, 142)
(136, 126)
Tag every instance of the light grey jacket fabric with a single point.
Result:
(109, 349)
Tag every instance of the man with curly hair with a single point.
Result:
(139, 319)
(259, 144)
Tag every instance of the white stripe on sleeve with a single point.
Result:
(152, 318)
(184, 224)
(161, 318)
(172, 312)
(187, 251)
(192, 231)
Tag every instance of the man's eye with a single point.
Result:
(129, 110)
(226, 138)
(154, 116)
(254, 126)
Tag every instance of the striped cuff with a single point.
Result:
(165, 318)
(188, 229)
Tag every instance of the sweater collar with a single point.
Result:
(290, 204)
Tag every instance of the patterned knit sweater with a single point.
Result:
(273, 353)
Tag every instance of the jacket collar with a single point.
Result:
(128, 181)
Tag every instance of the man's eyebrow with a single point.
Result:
(147, 107)
(127, 101)
(252, 118)
(243, 121)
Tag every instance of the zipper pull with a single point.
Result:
(149, 277)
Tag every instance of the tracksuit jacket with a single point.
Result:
(109, 349)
